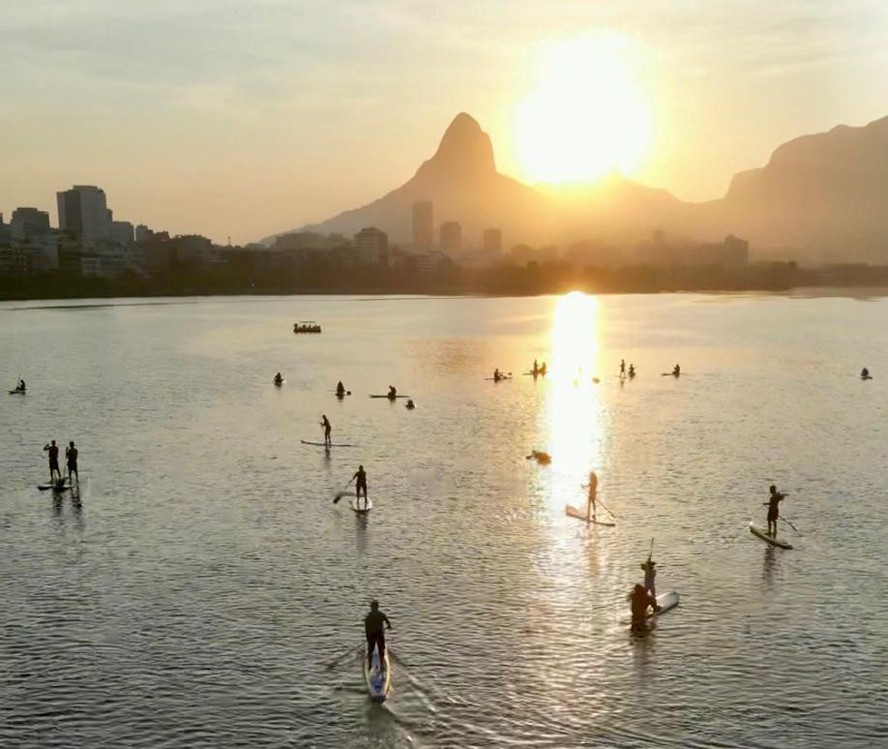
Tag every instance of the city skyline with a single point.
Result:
(243, 121)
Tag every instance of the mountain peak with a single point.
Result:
(465, 150)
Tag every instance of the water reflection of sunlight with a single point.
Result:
(574, 412)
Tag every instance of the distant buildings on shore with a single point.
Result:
(89, 242)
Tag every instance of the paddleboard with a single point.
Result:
(756, 531)
(573, 512)
(666, 601)
(378, 680)
(321, 444)
(363, 508)
(390, 397)
(58, 486)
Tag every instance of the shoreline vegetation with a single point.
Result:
(529, 280)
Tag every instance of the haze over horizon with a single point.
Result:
(243, 119)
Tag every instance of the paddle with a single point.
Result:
(790, 524)
(351, 651)
(340, 494)
(598, 501)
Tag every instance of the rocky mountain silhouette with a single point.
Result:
(819, 197)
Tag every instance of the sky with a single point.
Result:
(241, 118)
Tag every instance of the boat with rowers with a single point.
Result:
(306, 326)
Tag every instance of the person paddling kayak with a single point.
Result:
(864, 375)
(676, 371)
(340, 389)
(325, 422)
(278, 379)
(774, 500)
(373, 628)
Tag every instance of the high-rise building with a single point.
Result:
(451, 236)
(371, 244)
(83, 213)
(492, 241)
(423, 226)
(122, 232)
(29, 222)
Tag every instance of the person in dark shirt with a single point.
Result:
(640, 600)
(328, 428)
(373, 628)
(392, 393)
(774, 500)
(53, 450)
(71, 460)
(361, 476)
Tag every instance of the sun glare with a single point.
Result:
(587, 116)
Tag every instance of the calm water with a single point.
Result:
(200, 591)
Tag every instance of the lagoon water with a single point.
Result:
(200, 591)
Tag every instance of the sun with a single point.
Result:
(587, 116)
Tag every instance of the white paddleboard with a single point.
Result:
(364, 506)
(573, 512)
(55, 486)
(378, 680)
(321, 444)
(758, 532)
(665, 601)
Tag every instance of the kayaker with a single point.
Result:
(373, 628)
(278, 379)
(392, 393)
(650, 573)
(676, 371)
(410, 404)
(71, 453)
(536, 368)
(340, 388)
(592, 486)
(53, 451)
(864, 373)
(772, 504)
(361, 483)
(497, 376)
(640, 599)
(631, 371)
(622, 367)
(21, 386)
(325, 422)
(543, 369)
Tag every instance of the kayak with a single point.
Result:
(756, 531)
(379, 680)
(573, 512)
(18, 392)
(324, 444)
(390, 397)
(498, 379)
(363, 508)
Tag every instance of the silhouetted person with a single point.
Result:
(410, 404)
(864, 374)
(649, 566)
(592, 486)
(21, 387)
(71, 460)
(676, 371)
(622, 367)
(340, 388)
(497, 375)
(54, 471)
(373, 628)
(328, 441)
(631, 371)
(640, 599)
(360, 484)
(536, 368)
(774, 500)
(392, 393)
(278, 379)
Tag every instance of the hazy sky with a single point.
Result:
(245, 117)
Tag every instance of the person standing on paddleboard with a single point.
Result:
(53, 450)
(622, 367)
(772, 504)
(328, 428)
(650, 573)
(361, 483)
(71, 453)
(592, 486)
(373, 628)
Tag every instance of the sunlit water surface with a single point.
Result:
(202, 589)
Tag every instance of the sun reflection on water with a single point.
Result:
(574, 412)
